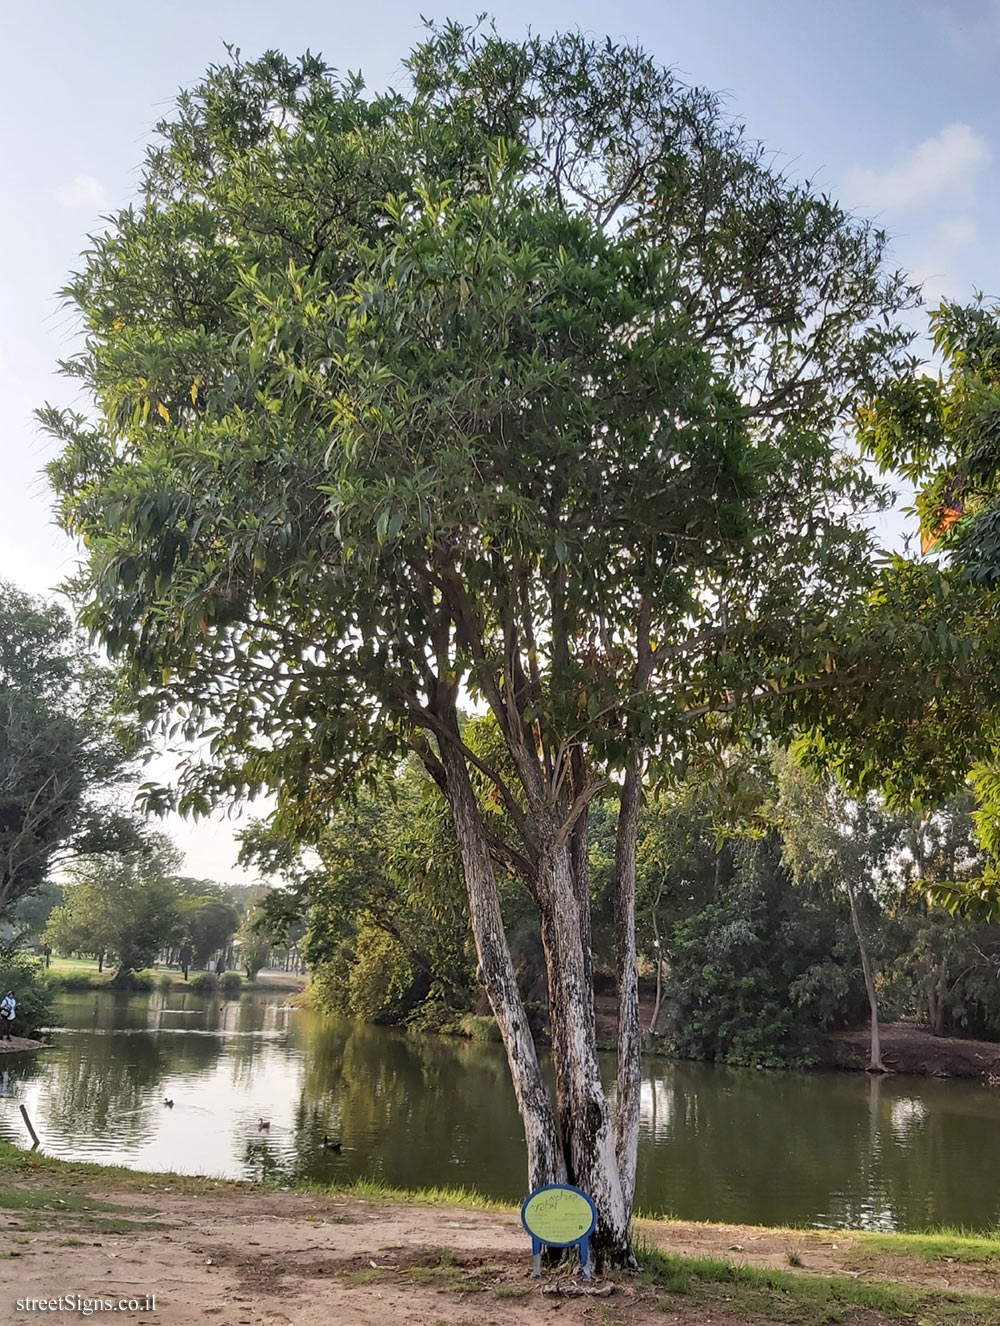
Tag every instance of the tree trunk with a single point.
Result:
(545, 1161)
(579, 843)
(938, 1003)
(629, 1038)
(655, 1018)
(875, 1064)
(585, 1122)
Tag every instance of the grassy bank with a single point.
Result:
(73, 975)
(937, 1277)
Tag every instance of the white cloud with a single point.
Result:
(83, 191)
(947, 162)
(957, 232)
(939, 267)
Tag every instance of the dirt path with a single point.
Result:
(240, 1256)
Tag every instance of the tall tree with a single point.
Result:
(64, 751)
(123, 904)
(525, 384)
(208, 920)
(940, 432)
(848, 846)
(384, 865)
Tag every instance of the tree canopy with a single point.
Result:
(125, 905)
(65, 747)
(529, 386)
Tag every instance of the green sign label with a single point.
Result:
(558, 1215)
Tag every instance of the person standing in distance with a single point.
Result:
(8, 1009)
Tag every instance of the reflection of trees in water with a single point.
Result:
(261, 1161)
(113, 1085)
(99, 1085)
(656, 1105)
(16, 1071)
(718, 1143)
(413, 1111)
(821, 1148)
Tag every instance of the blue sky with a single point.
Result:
(889, 106)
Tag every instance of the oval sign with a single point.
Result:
(558, 1215)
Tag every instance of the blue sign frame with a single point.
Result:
(582, 1240)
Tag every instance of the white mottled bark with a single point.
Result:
(545, 1159)
(629, 1037)
(585, 1121)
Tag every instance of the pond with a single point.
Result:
(822, 1149)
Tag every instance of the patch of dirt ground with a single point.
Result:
(907, 1048)
(253, 1257)
(17, 1044)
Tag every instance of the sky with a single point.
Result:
(890, 107)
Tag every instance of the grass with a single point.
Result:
(39, 1192)
(34, 1167)
(27, 1199)
(937, 1245)
(70, 975)
(371, 1190)
(444, 1274)
(64, 1208)
(755, 1293)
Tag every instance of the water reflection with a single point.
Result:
(716, 1144)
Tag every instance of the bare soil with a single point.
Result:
(17, 1043)
(907, 1048)
(240, 1256)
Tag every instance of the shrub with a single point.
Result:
(164, 982)
(22, 973)
(231, 982)
(75, 980)
(479, 1028)
(142, 980)
(329, 983)
(204, 983)
(434, 1015)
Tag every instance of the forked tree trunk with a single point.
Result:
(585, 1149)
(585, 1122)
(545, 1160)
(875, 1064)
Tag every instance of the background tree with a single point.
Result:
(844, 845)
(946, 961)
(64, 748)
(387, 927)
(761, 969)
(28, 917)
(125, 905)
(253, 939)
(528, 382)
(21, 973)
(939, 433)
(206, 918)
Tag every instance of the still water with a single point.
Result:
(827, 1149)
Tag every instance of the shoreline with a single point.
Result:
(908, 1049)
(368, 1254)
(21, 1044)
